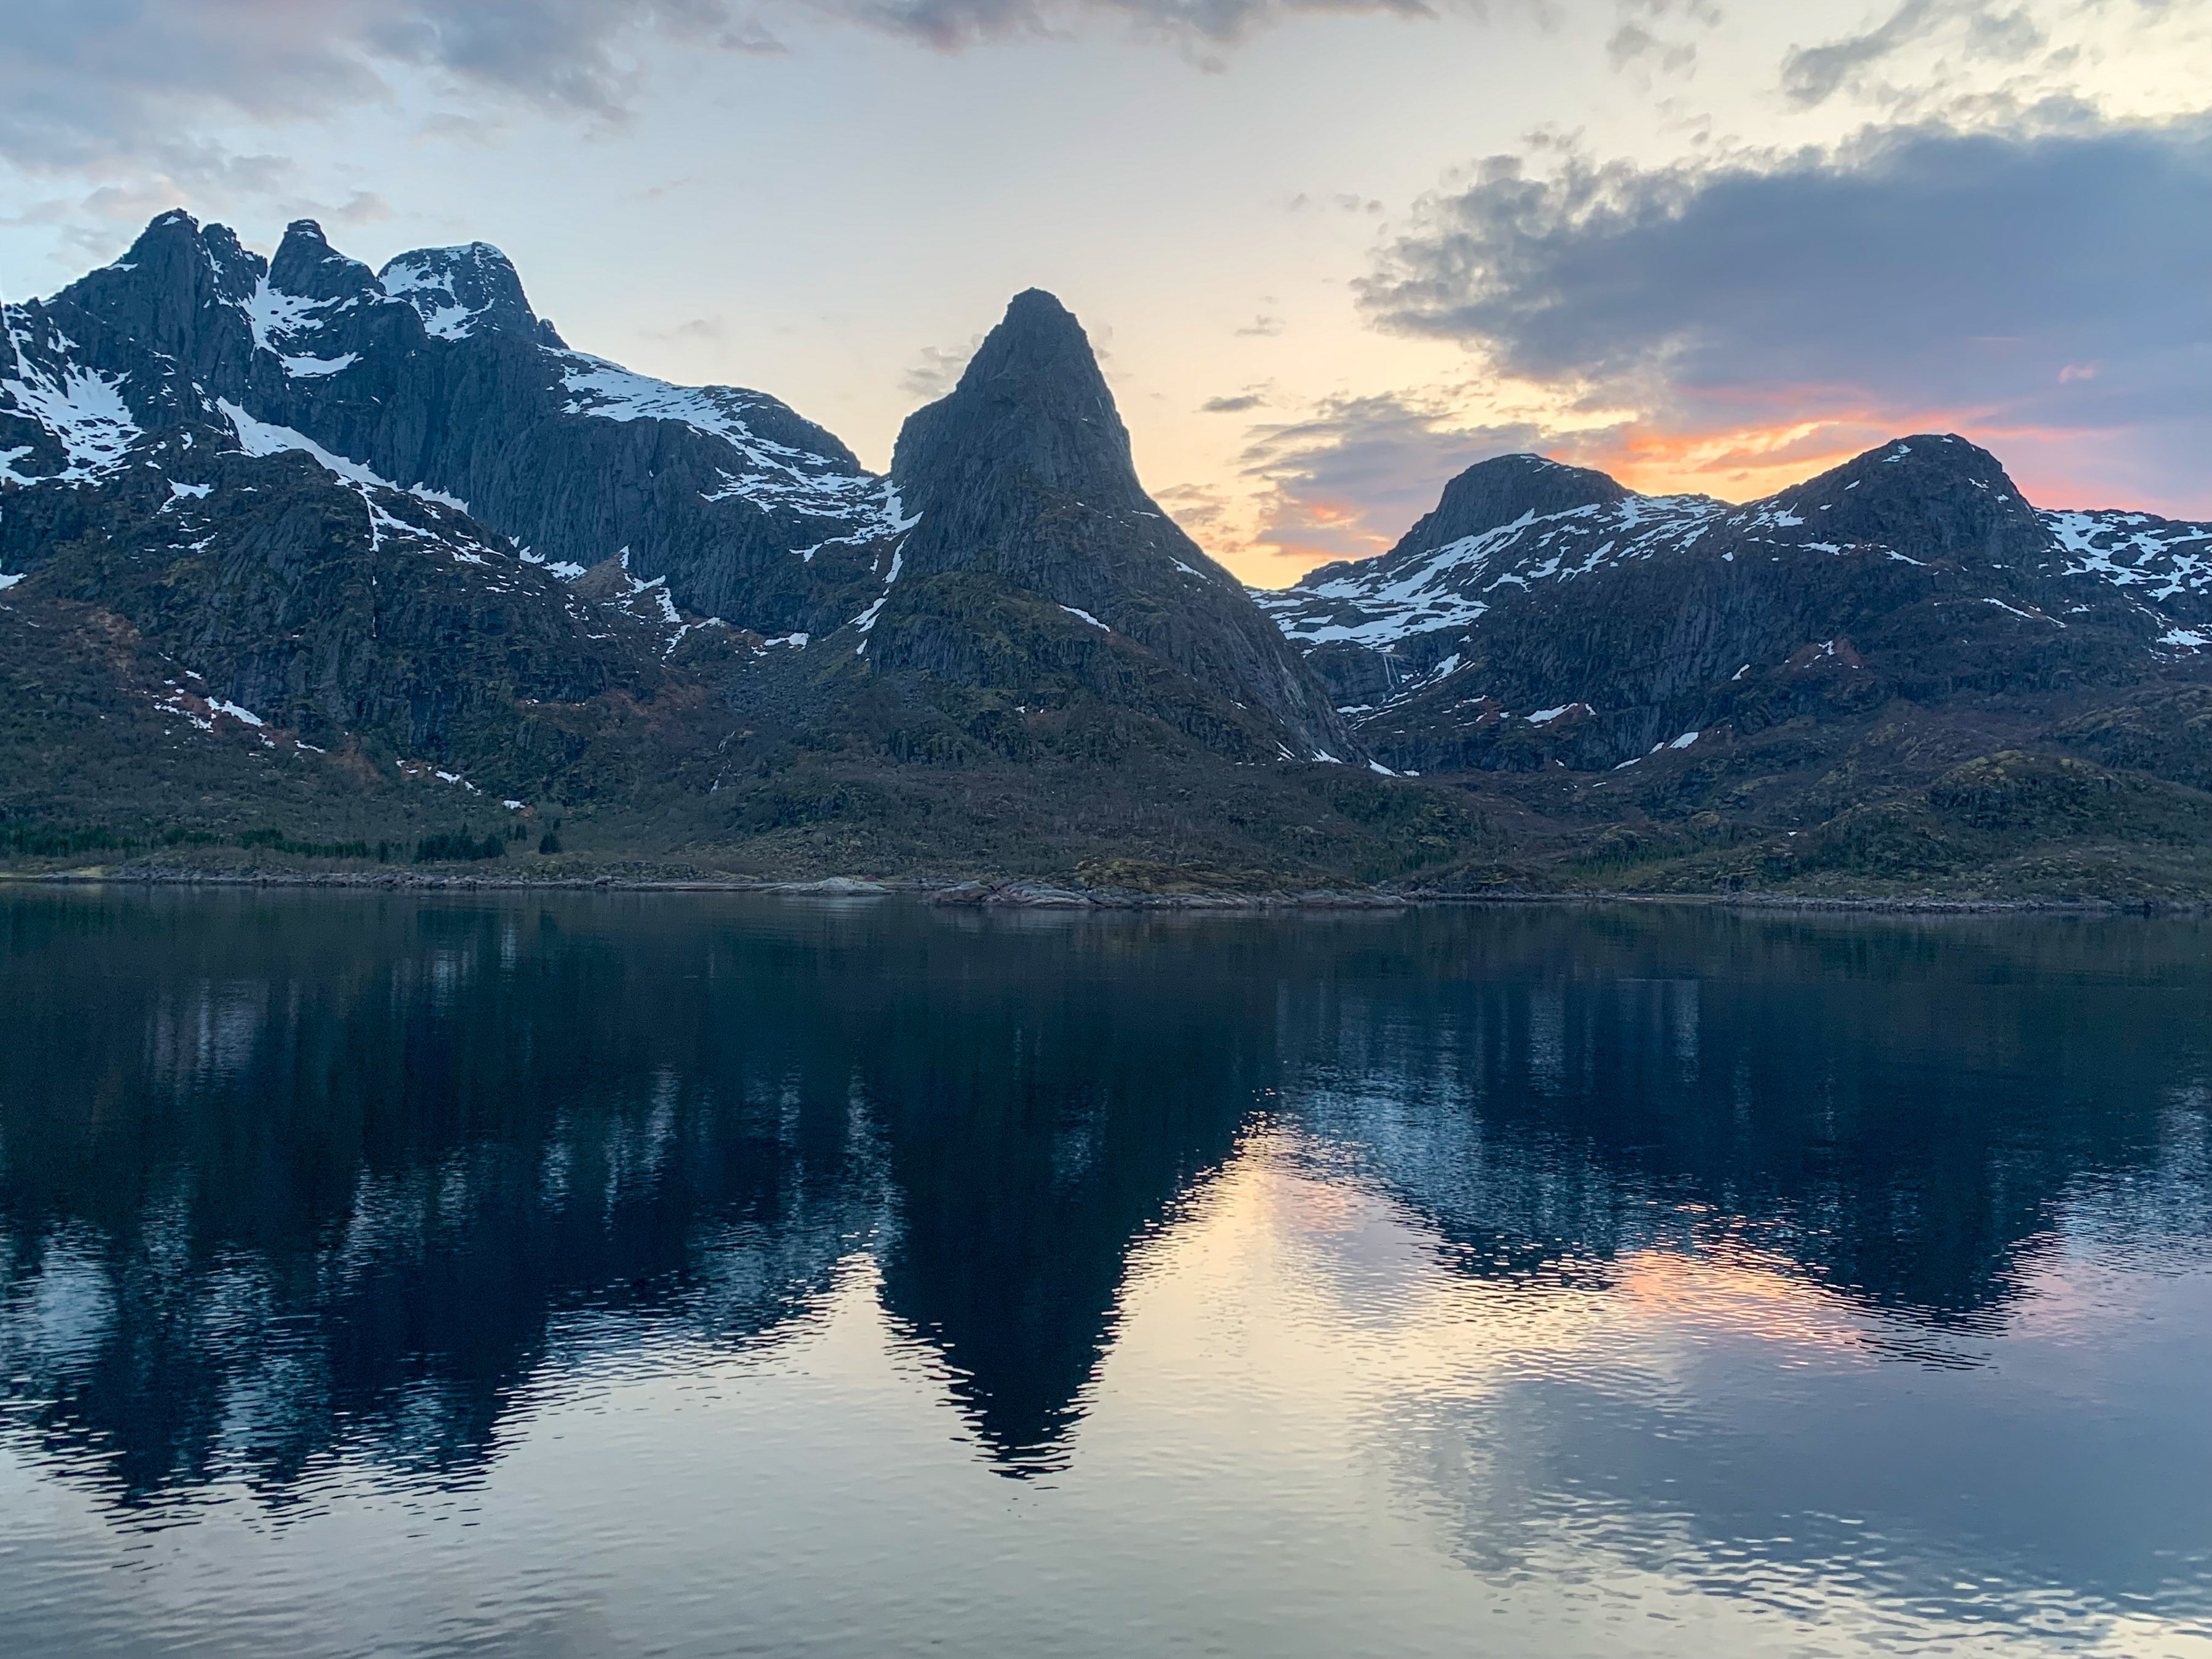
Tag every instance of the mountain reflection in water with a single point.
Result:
(304, 1195)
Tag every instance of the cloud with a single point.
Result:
(1341, 203)
(1915, 276)
(1202, 510)
(1263, 326)
(951, 24)
(1812, 74)
(937, 372)
(1237, 405)
(85, 83)
(694, 332)
(93, 224)
(363, 207)
(1638, 44)
(1349, 478)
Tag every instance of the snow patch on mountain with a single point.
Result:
(1385, 601)
(257, 437)
(2134, 550)
(276, 317)
(82, 408)
(314, 367)
(265, 438)
(450, 289)
(774, 476)
(612, 392)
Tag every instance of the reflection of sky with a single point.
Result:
(1313, 1434)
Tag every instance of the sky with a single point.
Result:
(1332, 252)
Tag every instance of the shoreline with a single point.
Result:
(1026, 895)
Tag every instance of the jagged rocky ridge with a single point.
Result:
(1544, 614)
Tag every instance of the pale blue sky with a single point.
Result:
(1388, 243)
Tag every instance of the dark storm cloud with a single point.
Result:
(2053, 279)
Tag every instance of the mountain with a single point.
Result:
(1544, 612)
(304, 564)
(436, 375)
(238, 580)
(370, 552)
(1830, 651)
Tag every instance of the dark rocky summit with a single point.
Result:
(437, 375)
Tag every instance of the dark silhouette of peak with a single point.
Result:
(166, 232)
(175, 252)
(1502, 489)
(1930, 494)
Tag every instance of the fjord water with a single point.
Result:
(699, 1274)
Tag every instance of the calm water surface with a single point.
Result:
(686, 1275)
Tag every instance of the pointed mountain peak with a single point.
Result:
(1498, 491)
(1019, 484)
(308, 265)
(459, 291)
(1933, 492)
(238, 269)
(1037, 336)
(1031, 406)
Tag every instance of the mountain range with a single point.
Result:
(305, 566)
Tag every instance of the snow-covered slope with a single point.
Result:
(1387, 601)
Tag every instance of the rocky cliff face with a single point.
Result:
(1544, 614)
